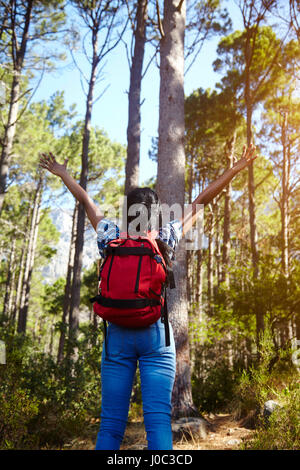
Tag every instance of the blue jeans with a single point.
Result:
(157, 364)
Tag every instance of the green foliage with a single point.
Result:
(47, 404)
(212, 388)
(262, 75)
(273, 376)
(16, 412)
(283, 429)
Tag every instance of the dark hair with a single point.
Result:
(149, 198)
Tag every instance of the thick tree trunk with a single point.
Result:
(23, 312)
(134, 99)
(68, 286)
(171, 184)
(19, 51)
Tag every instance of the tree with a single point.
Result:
(26, 25)
(251, 73)
(281, 121)
(171, 182)
(101, 19)
(204, 19)
(134, 98)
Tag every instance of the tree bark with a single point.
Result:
(68, 286)
(217, 245)
(227, 216)
(210, 264)
(284, 201)
(171, 184)
(21, 270)
(134, 99)
(226, 241)
(23, 312)
(9, 282)
(199, 289)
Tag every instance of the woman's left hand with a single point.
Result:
(247, 158)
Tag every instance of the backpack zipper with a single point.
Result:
(109, 270)
(137, 281)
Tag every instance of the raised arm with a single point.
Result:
(214, 188)
(93, 212)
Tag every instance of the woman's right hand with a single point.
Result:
(49, 162)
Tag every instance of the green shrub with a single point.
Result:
(45, 404)
(265, 380)
(283, 429)
(213, 391)
(16, 412)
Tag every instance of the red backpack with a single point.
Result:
(132, 287)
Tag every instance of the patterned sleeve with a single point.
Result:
(171, 233)
(107, 230)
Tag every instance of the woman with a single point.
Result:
(157, 362)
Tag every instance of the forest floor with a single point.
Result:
(226, 434)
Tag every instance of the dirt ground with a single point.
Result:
(226, 434)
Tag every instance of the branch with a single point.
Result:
(150, 61)
(179, 6)
(293, 186)
(101, 94)
(264, 179)
(127, 53)
(160, 26)
(77, 66)
(268, 69)
(106, 41)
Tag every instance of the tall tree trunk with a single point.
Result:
(23, 312)
(199, 288)
(227, 216)
(134, 99)
(217, 245)
(226, 240)
(210, 263)
(284, 211)
(19, 51)
(171, 183)
(9, 281)
(68, 286)
(251, 185)
(284, 201)
(17, 299)
(75, 291)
